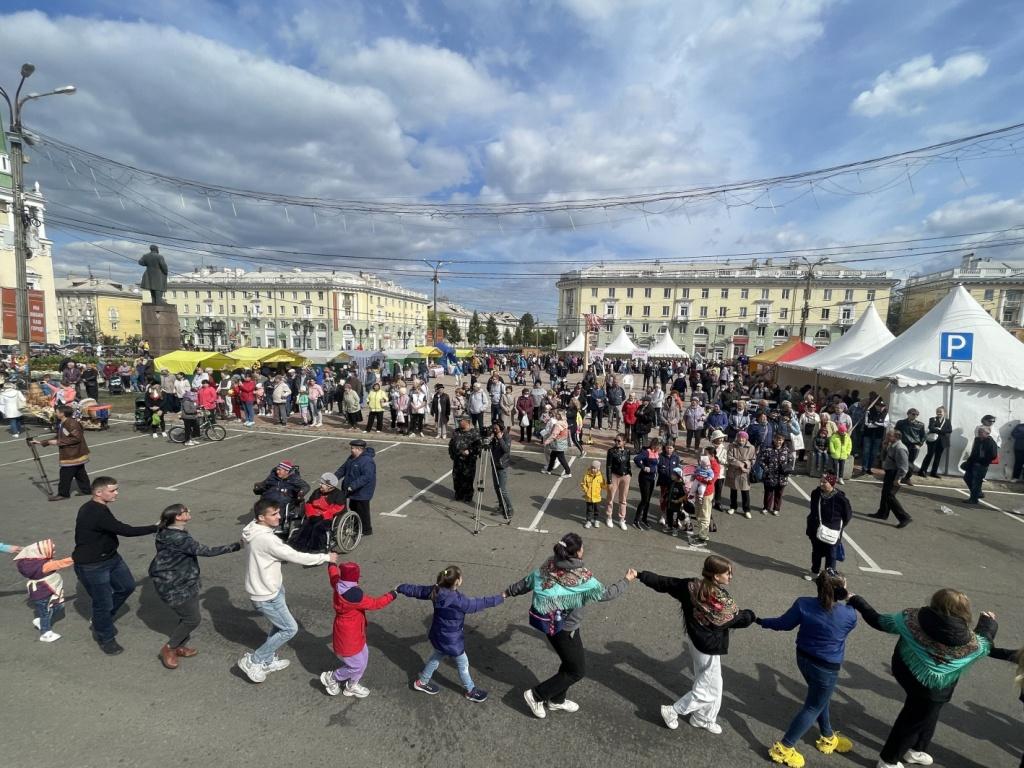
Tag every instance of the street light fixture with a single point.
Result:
(16, 135)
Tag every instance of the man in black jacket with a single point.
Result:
(501, 453)
(983, 451)
(912, 432)
(102, 571)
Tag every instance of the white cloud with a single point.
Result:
(896, 91)
(976, 213)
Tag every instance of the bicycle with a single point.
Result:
(209, 429)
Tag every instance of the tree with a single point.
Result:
(86, 330)
(476, 329)
(491, 333)
(445, 325)
(526, 329)
(547, 338)
(506, 338)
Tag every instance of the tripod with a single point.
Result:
(485, 468)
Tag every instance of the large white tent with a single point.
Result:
(621, 345)
(665, 347)
(910, 369)
(576, 346)
(864, 337)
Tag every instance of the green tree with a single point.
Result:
(526, 329)
(86, 330)
(491, 333)
(476, 328)
(506, 338)
(547, 338)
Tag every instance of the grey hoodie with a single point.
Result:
(266, 552)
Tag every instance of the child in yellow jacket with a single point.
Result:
(840, 446)
(593, 486)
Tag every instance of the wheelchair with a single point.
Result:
(342, 535)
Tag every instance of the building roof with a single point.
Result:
(766, 270)
(971, 270)
(87, 286)
(214, 278)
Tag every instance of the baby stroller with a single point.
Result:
(142, 423)
(114, 385)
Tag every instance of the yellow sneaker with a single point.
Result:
(787, 756)
(834, 743)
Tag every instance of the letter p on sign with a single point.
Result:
(957, 346)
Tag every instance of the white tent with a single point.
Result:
(864, 337)
(665, 347)
(576, 346)
(910, 367)
(622, 345)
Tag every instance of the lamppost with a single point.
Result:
(435, 280)
(15, 137)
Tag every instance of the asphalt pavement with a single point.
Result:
(129, 710)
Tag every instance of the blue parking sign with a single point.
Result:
(956, 346)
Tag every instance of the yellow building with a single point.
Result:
(719, 310)
(88, 308)
(316, 310)
(999, 288)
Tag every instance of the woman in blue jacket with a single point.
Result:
(448, 628)
(647, 460)
(820, 645)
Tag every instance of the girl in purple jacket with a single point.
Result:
(447, 630)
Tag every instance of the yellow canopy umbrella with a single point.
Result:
(250, 355)
(183, 361)
(429, 351)
(464, 353)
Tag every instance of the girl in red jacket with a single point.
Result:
(350, 607)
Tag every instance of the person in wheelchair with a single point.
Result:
(325, 502)
(285, 486)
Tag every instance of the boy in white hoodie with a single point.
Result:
(265, 587)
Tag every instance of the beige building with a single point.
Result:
(89, 306)
(999, 288)
(719, 310)
(298, 309)
(40, 266)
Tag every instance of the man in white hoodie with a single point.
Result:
(265, 587)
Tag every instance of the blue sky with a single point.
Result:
(508, 101)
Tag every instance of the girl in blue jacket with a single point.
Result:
(447, 630)
(824, 624)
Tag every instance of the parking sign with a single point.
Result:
(956, 346)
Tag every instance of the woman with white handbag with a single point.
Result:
(829, 515)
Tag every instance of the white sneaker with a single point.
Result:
(670, 716)
(566, 474)
(163, 434)
(355, 689)
(35, 623)
(810, 576)
(610, 523)
(586, 524)
(841, 481)
(276, 665)
(332, 686)
(49, 637)
(155, 435)
(775, 513)
(764, 511)
(714, 728)
(565, 706)
(537, 707)
(731, 512)
(545, 472)
(912, 757)
(748, 515)
(252, 670)
(882, 764)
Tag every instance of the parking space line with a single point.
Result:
(177, 486)
(395, 512)
(386, 448)
(48, 455)
(1010, 515)
(872, 565)
(532, 528)
(157, 456)
(942, 488)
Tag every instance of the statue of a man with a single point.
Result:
(154, 279)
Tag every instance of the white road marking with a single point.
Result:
(1010, 515)
(177, 486)
(943, 488)
(395, 512)
(547, 500)
(157, 456)
(388, 448)
(48, 455)
(872, 565)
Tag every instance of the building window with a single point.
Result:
(743, 311)
(761, 330)
(233, 308)
(871, 295)
(765, 292)
(720, 330)
(703, 312)
(628, 329)
(593, 309)
(848, 294)
(611, 292)
(744, 293)
(667, 293)
(307, 295)
(762, 313)
(295, 295)
(609, 310)
(723, 311)
(220, 309)
(647, 310)
(685, 293)
(647, 293)
(990, 294)
(785, 293)
(629, 310)
(664, 311)
(822, 338)
(684, 312)
(209, 294)
(781, 334)
(196, 295)
(323, 311)
(846, 313)
(807, 294)
(825, 312)
(725, 293)
(593, 293)
(828, 294)
(784, 313)
(629, 293)
(705, 292)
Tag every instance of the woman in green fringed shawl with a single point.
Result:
(561, 587)
(936, 645)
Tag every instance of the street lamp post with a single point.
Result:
(435, 280)
(16, 137)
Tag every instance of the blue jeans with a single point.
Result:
(871, 448)
(820, 684)
(14, 425)
(284, 627)
(250, 414)
(461, 662)
(108, 585)
(45, 613)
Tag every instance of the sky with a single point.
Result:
(496, 101)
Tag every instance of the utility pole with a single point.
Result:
(16, 137)
(805, 313)
(436, 267)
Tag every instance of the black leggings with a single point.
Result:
(559, 456)
(914, 726)
(935, 449)
(569, 647)
(646, 491)
(745, 495)
(416, 423)
(375, 416)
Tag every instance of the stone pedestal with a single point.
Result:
(160, 328)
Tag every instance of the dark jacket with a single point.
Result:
(776, 465)
(71, 446)
(1007, 654)
(714, 641)
(822, 635)
(96, 532)
(666, 464)
(464, 441)
(358, 475)
(501, 451)
(441, 406)
(983, 451)
(617, 462)
(175, 569)
(284, 491)
(1017, 435)
(447, 630)
(836, 512)
(912, 431)
(644, 461)
(941, 427)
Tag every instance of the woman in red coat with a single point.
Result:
(246, 394)
(629, 409)
(350, 607)
(321, 507)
